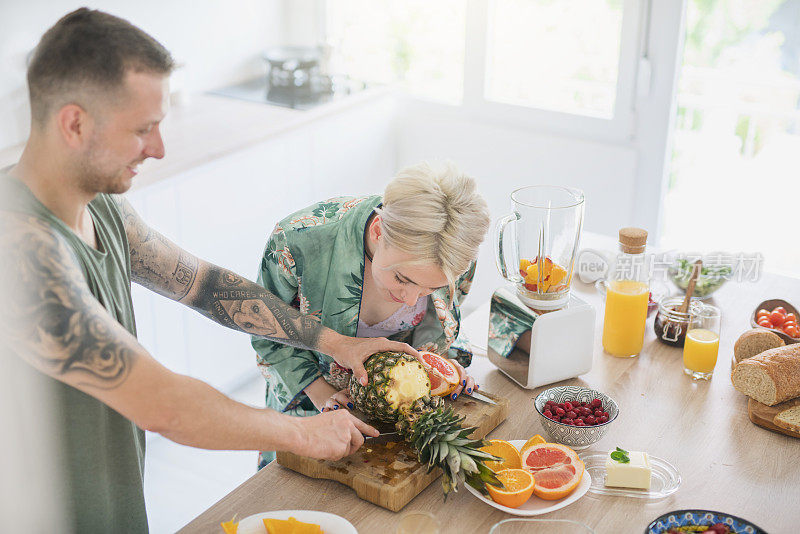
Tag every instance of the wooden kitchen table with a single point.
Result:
(726, 463)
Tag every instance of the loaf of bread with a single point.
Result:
(788, 419)
(770, 377)
(755, 342)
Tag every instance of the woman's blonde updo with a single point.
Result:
(434, 212)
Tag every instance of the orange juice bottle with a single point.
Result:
(627, 295)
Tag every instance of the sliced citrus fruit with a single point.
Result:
(557, 468)
(441, 372)
(535, 440)
(230, 527)
(518, 485)
(504, 450)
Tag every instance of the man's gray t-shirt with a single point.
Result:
(101, 453)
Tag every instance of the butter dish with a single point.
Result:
(665, 478)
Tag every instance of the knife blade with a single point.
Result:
(481, 396)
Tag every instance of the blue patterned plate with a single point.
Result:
(684, 518)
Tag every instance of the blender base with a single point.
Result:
(562, 343)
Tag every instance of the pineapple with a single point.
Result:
(399, 392)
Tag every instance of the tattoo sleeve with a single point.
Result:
(49, 317)
(219, 294)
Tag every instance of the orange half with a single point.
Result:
(504, 450)
(518, 487)
(535, 440)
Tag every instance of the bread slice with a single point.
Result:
(770, 377)
(788, 419)
(755, 341)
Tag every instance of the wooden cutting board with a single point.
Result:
(762, 415)
(388, 473)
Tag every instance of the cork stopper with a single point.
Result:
(632, 240)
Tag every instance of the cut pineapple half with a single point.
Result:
(408, 382)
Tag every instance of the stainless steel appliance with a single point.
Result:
(295, 78)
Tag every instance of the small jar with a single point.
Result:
(670, 324)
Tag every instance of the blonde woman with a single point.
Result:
(396, 266)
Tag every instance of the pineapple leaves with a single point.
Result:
(488, 476)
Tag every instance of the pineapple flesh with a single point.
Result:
(399, 392)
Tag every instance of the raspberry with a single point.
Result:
(605, 414)
(590, 420)
(598, 413)
(571, 414)
(568, 421)
(548, 414)
(579, 422)
(597, 403)
(560, 412)
(602, 420)
(557, 418)
(568, 406)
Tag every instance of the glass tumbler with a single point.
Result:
(702, 342)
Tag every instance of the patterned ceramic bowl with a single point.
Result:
(685, 518)
(577, 437)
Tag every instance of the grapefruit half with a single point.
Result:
(557, 469)
(441, 372)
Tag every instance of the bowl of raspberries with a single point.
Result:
(575, 416)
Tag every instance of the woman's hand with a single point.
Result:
(352, 352)
(340, 399)
(465, 382)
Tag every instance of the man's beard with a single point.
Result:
(93, 179)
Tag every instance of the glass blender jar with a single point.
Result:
(543, 242)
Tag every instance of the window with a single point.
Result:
(418, 44)
(737, 132)
(564, 65)
(561, 56)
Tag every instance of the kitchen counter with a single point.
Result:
(726, 463)
(210, 127)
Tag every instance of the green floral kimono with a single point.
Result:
(314, 259)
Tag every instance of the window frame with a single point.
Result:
(620, 126)
(632, 79)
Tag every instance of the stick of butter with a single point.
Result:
(635, 474)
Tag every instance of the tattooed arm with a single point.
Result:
(50, 319)
(233, 301)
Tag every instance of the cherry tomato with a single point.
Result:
(765, 323)
(792, 331)
(762, 313)
(780, 309)
(790, 317)
(776, 318)
(787, 322)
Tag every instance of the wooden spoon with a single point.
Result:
(698, 266)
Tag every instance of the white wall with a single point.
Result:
(219, 41)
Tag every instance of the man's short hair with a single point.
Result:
(89, 51)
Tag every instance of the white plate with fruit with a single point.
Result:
(562, 477)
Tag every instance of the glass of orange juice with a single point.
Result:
(702, 343)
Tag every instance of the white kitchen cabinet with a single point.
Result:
(223, 211)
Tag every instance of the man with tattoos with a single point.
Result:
(70, 247)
